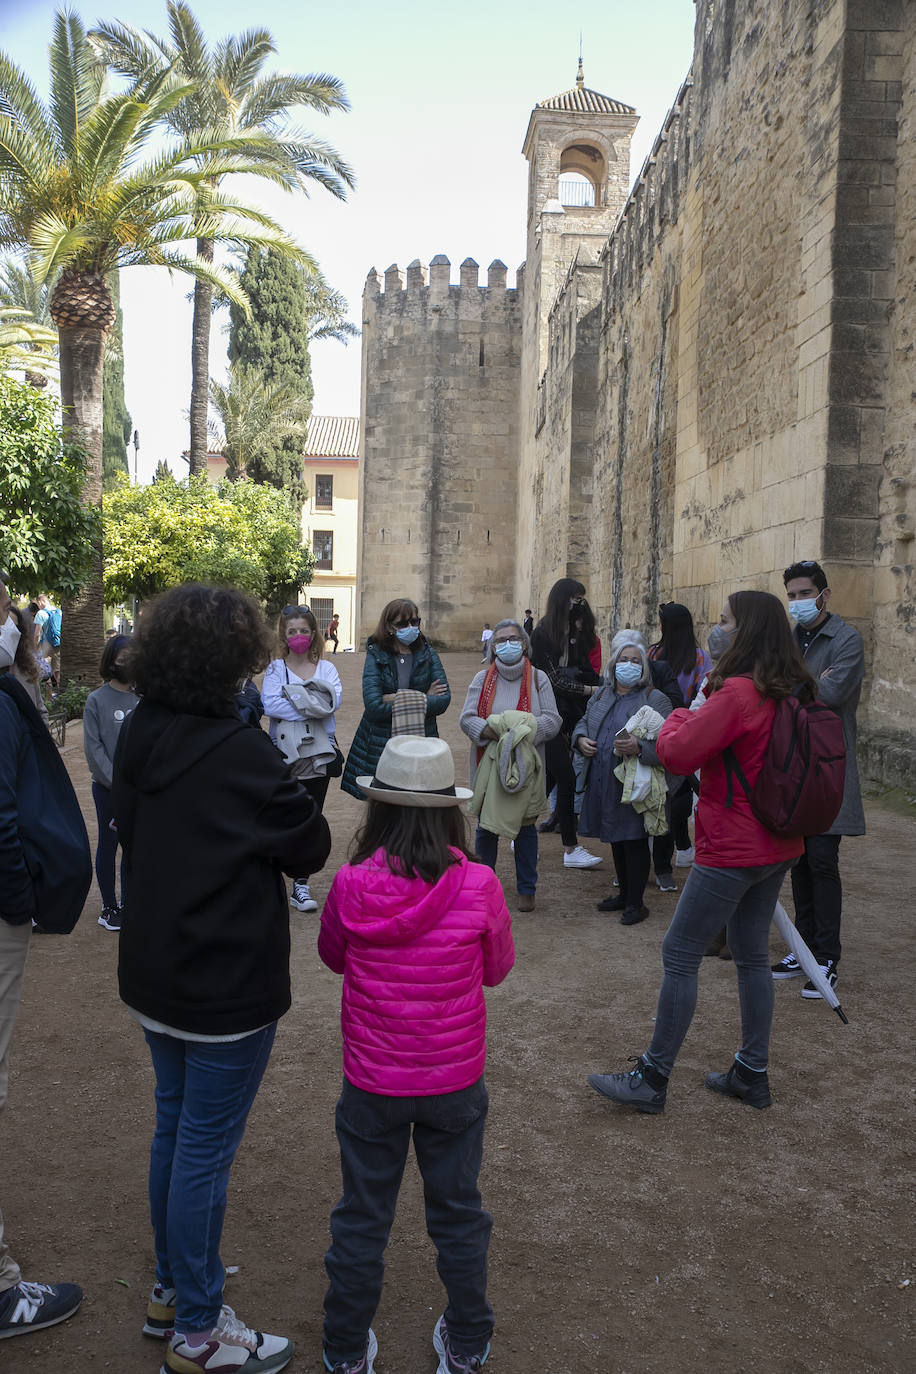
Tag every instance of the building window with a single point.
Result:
(324, 492)
(322, 608)
(323, 545)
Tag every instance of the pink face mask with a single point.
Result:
(299, 644)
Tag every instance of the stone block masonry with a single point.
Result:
(440, 447)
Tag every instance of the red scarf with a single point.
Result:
(488, 692)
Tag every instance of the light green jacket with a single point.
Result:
(509, 787)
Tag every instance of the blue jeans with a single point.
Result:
(107, 847)
(374, 1137)
(486, 847)
(743, 900)
(204, 1092)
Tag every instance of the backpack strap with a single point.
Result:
(733, 769)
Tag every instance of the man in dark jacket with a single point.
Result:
(27, 789)
(835, 655)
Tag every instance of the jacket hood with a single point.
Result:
(160, 746)
(392, 910)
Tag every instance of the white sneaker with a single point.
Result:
(580, 858)
(232, 1346)
(302, 899)
(684, 857)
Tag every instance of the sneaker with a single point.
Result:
(632, 915)
(789, 967)
(160, 1314)
(580, 858)
(230, 1347)
(752, 1088)
(632, 1089)
(685, 857)
(829, 972)
(665, 882)
(30, 1306)
(110, 918)
(364, 1365)
(449, 1361)
(612, 904)
(302, 899)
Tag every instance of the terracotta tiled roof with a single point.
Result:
(580, 100)
(332, 436)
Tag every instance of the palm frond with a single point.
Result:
(308, 153)
(189, 42)
(274, 95)
(19, 288)
(238, 59)
(76, 78)
(55, 244)
(19, 102)
(21, 159)
(124, 49)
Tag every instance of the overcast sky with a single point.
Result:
(440, 101)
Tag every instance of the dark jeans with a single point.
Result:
(631, 860)
(677, 811)
(486, 847)
(204, 1092)
(560, 775)
(742, 899)
(317, 789)
(818, 896)
(374, 1137)
(107, 847)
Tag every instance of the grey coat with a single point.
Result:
(598, 707)
(836, 658)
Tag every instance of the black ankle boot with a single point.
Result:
(750, 1085)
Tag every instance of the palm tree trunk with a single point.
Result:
(82, 356)
(200, 364)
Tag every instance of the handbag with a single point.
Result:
(334, 770)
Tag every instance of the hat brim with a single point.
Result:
(395, 798)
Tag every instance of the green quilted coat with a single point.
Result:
(380, 677)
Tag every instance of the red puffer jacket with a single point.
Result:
(734, 716)
(415, 959)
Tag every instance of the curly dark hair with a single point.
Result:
(764, 649)
(194, 645)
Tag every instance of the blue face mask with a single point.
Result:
(805, 612)
(407, 634)
(509, 651)
(628, 674)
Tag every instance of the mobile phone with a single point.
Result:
(622, 736)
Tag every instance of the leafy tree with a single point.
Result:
(80, 193)
(273, 341)
(163, 472)
(238, 534)
(229, 96)
(47, 535)
(116, 421)
(258, 418)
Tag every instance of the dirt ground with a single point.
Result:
(713, 1238)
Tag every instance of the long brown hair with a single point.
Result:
(418, 840)
(764, 649)
(316, 648)
(400, 607)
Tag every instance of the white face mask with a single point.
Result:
(9, 642)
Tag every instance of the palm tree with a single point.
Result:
(26, 346)
(79, 192)
(255, 416)
(20, 293)
(229, 96)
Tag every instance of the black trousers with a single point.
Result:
(631, 860)
(318, 790)
(560, 775)
(818, 896)
(374, 1136)
(677, 810)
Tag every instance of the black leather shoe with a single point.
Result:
(755, 1094)
(633, 915)
(612, 903)
(550, 825)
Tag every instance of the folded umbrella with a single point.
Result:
(790, 934)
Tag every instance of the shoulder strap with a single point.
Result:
(733, 769)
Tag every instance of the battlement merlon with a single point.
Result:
(436, 279)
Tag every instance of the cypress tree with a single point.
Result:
(116, 421)
(274, 342)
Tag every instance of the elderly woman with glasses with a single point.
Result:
(510, 683)
(602, 740)
(399, 658)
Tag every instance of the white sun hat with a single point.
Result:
(414, 771)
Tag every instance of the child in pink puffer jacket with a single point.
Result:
(418, 929)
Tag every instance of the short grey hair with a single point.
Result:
(628, 639)
(519, 629)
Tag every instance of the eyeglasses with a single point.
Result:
(296, 610)
(802, 563)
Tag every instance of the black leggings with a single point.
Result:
(677, 809)
(631, 860)
(560, 775)
(317, 789)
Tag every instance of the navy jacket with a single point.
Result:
(44, 849)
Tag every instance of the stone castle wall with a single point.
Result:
(439, 428)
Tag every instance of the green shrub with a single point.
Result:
(72, 700)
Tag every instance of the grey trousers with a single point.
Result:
(14, 947)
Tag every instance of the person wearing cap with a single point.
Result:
(689, 661)
(418, 929)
